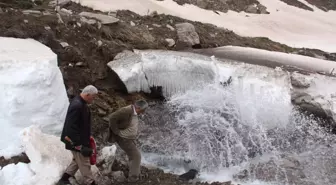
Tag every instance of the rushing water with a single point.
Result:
(222, 131)
(247, 132)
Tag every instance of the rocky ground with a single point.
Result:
(84, 46)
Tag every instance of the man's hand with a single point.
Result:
(86, 151)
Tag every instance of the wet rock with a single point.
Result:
(191, 174)
(170, 27)
(300, 81)
(104, 19)
(187, 34)
(118, 176)
(170, 42)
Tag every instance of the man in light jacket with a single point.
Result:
(123, 129)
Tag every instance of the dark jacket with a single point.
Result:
(77, 125)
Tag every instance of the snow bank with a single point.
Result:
(33, 91)
(285, 24)
(271, 58)
(48, 160)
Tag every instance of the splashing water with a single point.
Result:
(248, 132)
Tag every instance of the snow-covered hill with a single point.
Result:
(286, 24)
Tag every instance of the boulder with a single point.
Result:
(106, 158)
(300, 81)
(104, 19)
(262, 9)
(170, 42)
(88, 21)
(170, 27)
(118, 176)
(187, 33)
(252, 9)
(65, 11)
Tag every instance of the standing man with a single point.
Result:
(124, 130)
(76, 136)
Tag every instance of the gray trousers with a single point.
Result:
(83, 164)
(132, 152)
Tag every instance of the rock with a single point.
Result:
(79, 64)
(46, 13)
(65, 11)
(262, 9)
(1, 10)
(170, 42)
(25, 21)
(252, 9)
(26, 12)
(191, 174)
(132, 23)
(60, 3)
(300, 81)
(112, 13)
(79, 24)
(99, 25)
(106, 158)
(60, 21)
(99, 43)
(186, 33)
(118, 176)
(156, 25)
(64, 44)
(88, 21)
(47, 28)
(170, 27)
(104, 19)
(101, 112)
(150, 29)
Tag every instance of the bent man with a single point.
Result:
(76, 136)
(124, 130)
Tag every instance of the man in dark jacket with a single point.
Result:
(76, 136)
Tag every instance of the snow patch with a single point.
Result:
(48, 159)
(33, 92)
(285, 24)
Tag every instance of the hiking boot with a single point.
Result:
(64, 180)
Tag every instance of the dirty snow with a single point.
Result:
(285, 24)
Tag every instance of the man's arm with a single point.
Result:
(118, 120)
(72, 126)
